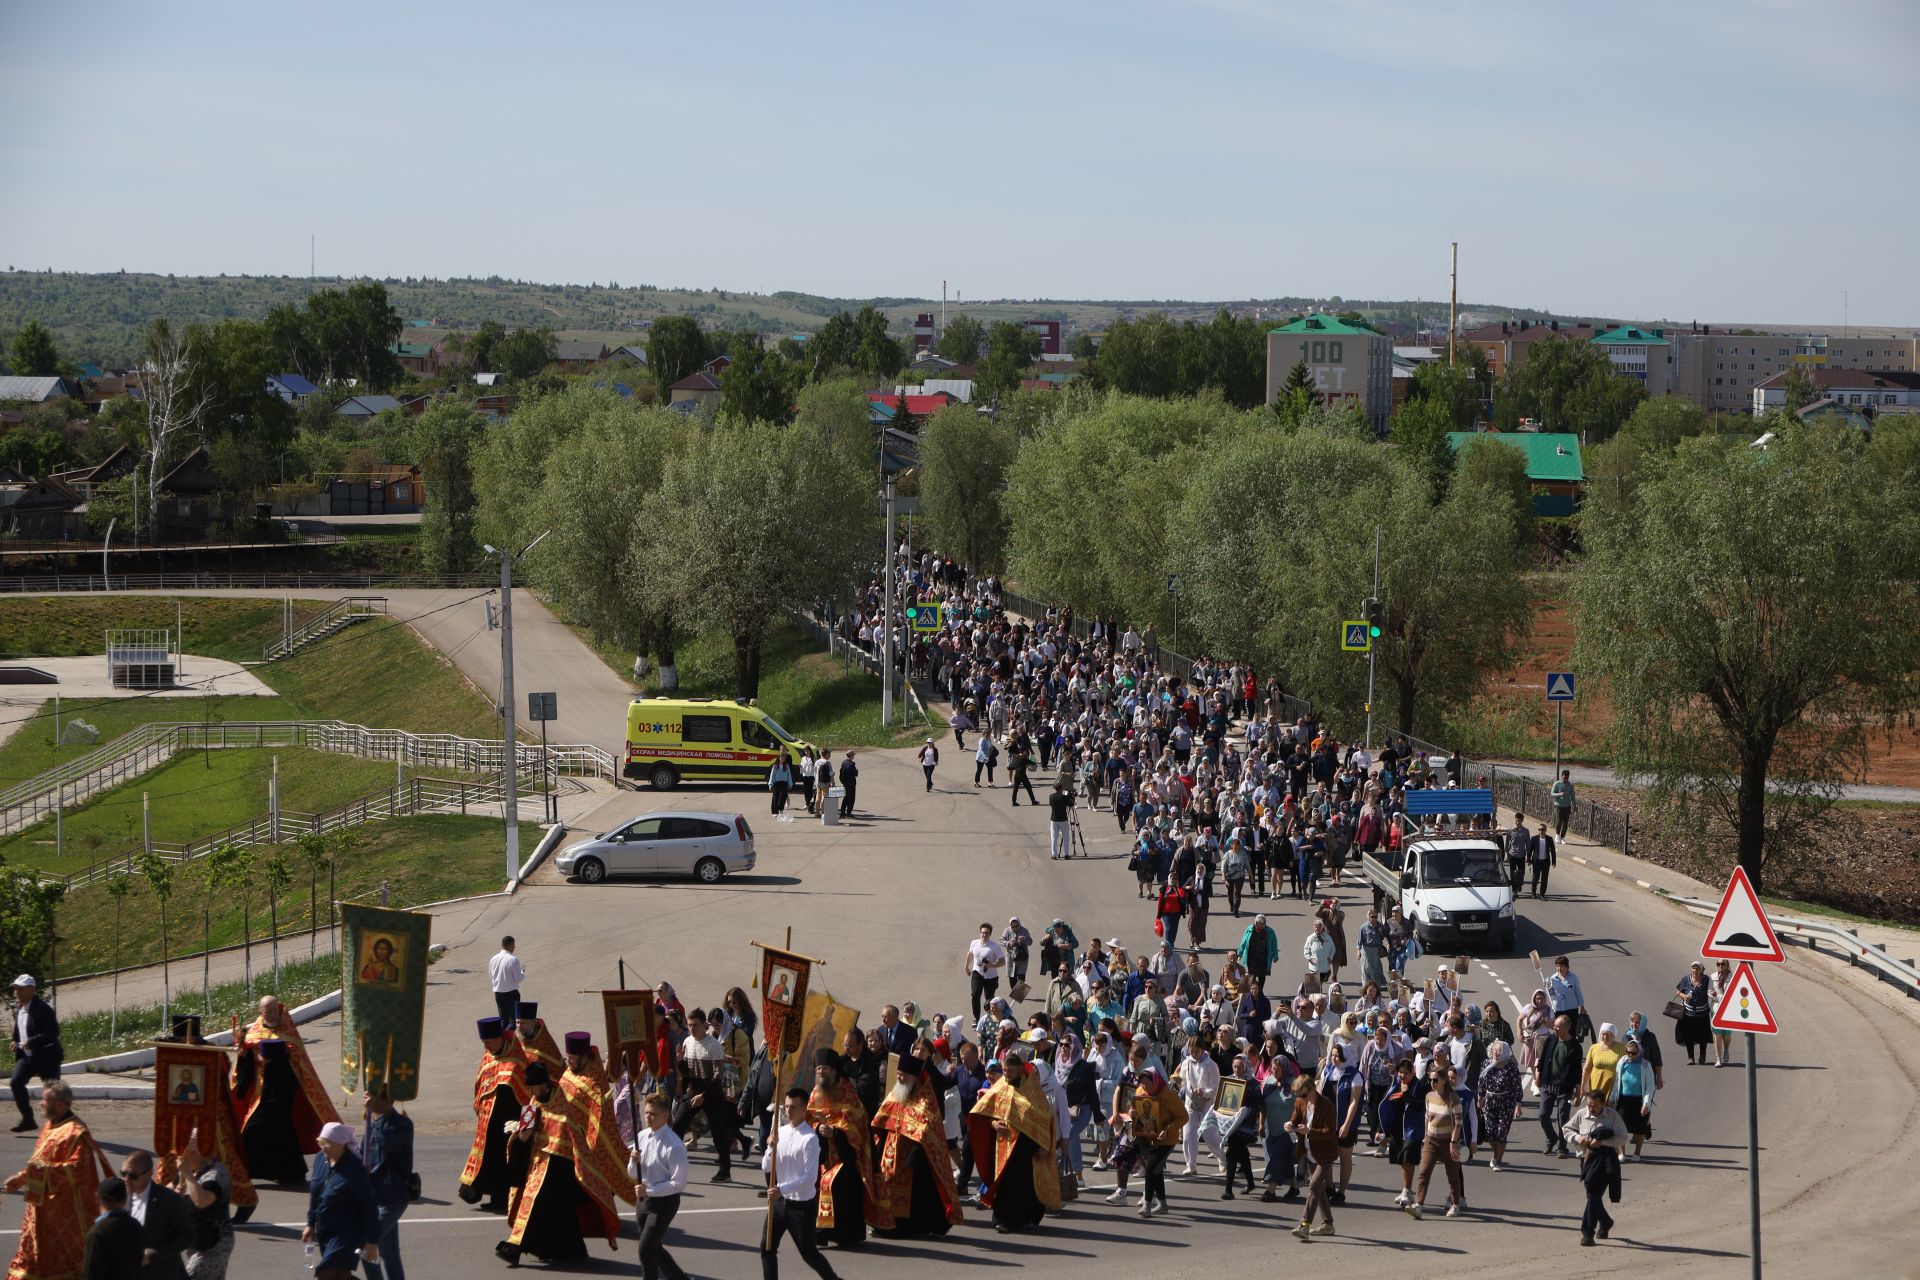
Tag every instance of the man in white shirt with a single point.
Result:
(792, 1165)
(1198, 1077)
(506, 973)
(161, 1212)
(658, 1166)
(985, 959)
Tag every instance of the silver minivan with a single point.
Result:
(703, 845)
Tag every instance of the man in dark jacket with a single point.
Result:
(163, 1216)
(36, 1046)
(1557, 1073)
(342, 1215)
(849, 779)
(1519, 845)
(969, 1078)
(115, 1243)
(389, 1161)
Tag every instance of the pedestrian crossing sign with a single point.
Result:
(924, 616)
(1355, 637)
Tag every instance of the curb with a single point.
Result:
(555, 834)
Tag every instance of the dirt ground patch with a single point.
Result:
(1865, 859)
(1515, 701)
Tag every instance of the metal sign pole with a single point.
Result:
(1753, 1152)
(1559, 713)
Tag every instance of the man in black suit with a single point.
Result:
(114, 1241)
(900, 1037)
(162, 1214)
(1544, 858)
(36, 1046)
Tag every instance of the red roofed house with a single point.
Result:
(919, 406)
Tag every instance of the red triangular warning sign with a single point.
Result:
(1743, 1008)
(1740, 930)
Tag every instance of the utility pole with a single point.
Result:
(509, 762)
(1371, 646)
(943, 309)
(886, 629)
(1453, 303)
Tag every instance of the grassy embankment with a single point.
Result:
(374, 673)
(813, 695)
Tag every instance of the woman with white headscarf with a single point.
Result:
(1499, 1099)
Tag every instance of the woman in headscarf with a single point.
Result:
(1695, 994)
(1721, 982)
(1109, 1065)
(1158, 1120)
(1080, 1081)
(1633, 1090)
(1499, 1099)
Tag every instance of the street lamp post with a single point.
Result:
(509, 762)
(886, 629)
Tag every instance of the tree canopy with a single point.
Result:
(1751, 612)
(964, 458)
(1567, 384)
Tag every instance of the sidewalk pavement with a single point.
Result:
(1586, 775)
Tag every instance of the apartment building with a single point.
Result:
(1886, 390)
(1720, 371)
(1348, 362)
(1645, 355)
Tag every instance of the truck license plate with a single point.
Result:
(1468, 928)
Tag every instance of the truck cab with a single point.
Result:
(1454, 891)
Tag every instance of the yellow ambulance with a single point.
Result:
(704, 740)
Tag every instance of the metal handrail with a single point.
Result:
(144, 748)
(318, 580)
(342, 612)
(1904, 974)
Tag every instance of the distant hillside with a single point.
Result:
(99, 317)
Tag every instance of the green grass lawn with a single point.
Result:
(812, 694)
(94, 1035)
(194, 795)
(68, 626)
(1488, 730)
(376, 673)
(423, 859)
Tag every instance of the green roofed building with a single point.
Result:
(1554, 472)
(1645, 355)
(1348, 362)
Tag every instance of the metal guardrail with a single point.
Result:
(868, 661)
(318, 580)
(1904, 974)
(416, 795)
(150, 745)
(343, 612)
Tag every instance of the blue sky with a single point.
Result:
(1741, 161)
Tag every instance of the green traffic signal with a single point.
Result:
(1374, 632)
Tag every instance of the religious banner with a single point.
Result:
(824, 1026)
(783, 998)
(632, 1031)
(192, 1104)
(383, 998)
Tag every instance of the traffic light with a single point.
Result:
(1373, 612)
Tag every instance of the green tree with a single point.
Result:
(212, 874)
(675, 348)
(718, 537)
(1663, 423)
(444, 440)
(276, 876)
(1745, 654)
(1083, 348)
(316, 850)
(756, 386)
(1498, 471)
(1140, 357)
(1300, 384)
(1568, 384)
(485, 343)
(27, 908)
(1452, 387)
(1088, 499)
(352, 333)
(837, 411)
(964, 458)
(118, 885)
(158, 873)
(590, 563)
(523, 353)
(33, 354)
(1011, 349)
(960, 341)
(1418, 433)
(1800, 388)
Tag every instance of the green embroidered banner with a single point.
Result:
(383, 998)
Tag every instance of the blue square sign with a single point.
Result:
(1559, 686)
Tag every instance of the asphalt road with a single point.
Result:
(890, 901)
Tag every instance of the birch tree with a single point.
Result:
(176, 404)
